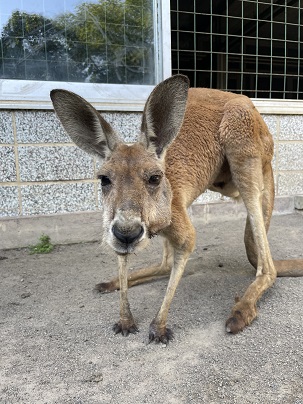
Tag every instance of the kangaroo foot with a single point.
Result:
(104, 287)
(158, 334)
(125, 328)
(242, 315)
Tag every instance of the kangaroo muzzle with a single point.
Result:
(128, 235)
(127, 232)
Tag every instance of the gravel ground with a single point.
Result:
(57, 346)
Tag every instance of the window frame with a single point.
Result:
(33, 94)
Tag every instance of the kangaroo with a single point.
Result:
(191, 140)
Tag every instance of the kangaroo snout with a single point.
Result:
(127, 234)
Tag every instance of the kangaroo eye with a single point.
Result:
(154, 179)
(104, 180)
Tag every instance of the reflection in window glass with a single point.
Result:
(98, 41)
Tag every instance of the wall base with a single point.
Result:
(81, 227)
(65, 228)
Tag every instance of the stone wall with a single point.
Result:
(42, 172)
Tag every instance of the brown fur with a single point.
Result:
(191, 140)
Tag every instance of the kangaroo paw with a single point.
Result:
(104, 287)
(242, 315)
(125, 328)
(163, 335)
(235, 323)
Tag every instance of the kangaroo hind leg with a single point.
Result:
(268, 195)
(256, 188)
(289, 267)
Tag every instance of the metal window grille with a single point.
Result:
(252, 47)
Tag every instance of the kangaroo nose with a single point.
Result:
(128, 236)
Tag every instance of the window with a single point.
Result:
(71, 41)
(92, 42)
(253, 47)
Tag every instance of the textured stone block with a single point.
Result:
(291, 156)
(99, 194)
(210, 196)
(53, 163)
(57, 198)
(126, 124)
(290, 183)
(6, 127)
(9, 205)
(7, 164)
(39, 127)
(272, 123)
(274, 162)
(291, 127)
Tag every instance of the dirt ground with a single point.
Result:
(57, 344)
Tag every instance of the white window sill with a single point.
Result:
(25, 94)
(278, 107)
(34, 95)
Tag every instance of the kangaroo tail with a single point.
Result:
(289, 267)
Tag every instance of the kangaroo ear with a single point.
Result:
(163, 113)
(84, 124)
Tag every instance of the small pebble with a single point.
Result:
(25, 295)
(96, 378)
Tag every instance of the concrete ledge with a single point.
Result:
(62, 228)
(81, 227)
(229, 210)
(299, 202)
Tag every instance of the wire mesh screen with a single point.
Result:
(245, 46)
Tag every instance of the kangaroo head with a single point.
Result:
(136, 194)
